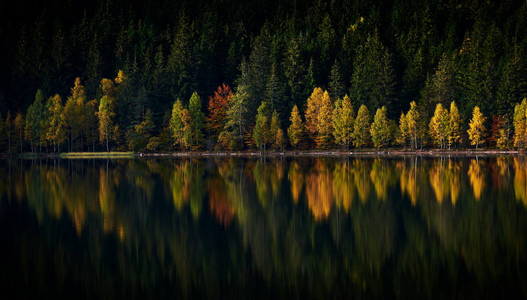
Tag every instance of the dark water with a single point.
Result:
(247, 228)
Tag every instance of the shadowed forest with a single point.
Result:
(188, 75)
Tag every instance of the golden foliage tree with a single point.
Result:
(343, 119)
(380, 129)
(439, 126)
(361, 127)
(476, 130)
(520, 124)
(295, 132)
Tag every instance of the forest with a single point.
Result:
(119, 75)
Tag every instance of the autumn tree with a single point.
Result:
(403, 136)
(361, 127)
(313, 105)
(439, 126)
(55, 133)
(380, 129)
(476, 130)
(412, 124)
(324, 122)
(275, 130)
(141, 133)
(19, 130)
(454, 126)
(343, 121)
(520, 124)
(106, 116)
(295, 132)
(217, 107)
(176, 122)
(72, 113)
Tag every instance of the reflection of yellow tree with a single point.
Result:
(319, 191)
(361, 178)
(296, 180)
(408, 181)
(382, 176)
(186, 185)
(343, 185)
(476, 177)
(520, 180)
(268, 178)
(106, 199)
(445, 180)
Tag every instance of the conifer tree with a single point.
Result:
(439, 126)
(232, 135)
(295, 132)
(361, 127)
(312, 110)
(476, 130)
(35, 121)
(343, 121)
(412, 124)
(336, 82)
(454, 125)
(274, 126)
(404, 135)
(55, 133)
(197, 119)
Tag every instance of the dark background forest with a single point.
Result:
(378, 52)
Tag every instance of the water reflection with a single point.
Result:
(311, 227)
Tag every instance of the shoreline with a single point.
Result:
(289, 153)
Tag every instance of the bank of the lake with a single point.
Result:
(252, 153)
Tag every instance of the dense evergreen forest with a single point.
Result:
(179, 75)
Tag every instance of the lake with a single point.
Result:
(276, 228)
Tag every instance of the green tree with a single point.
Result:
(476, 130)
(380, 130)
(197, 119)
(295, 132)
(274, 127)
(237, 119)
(337, 87)
(35, 124)
(261, 128)
(361, 128)
(343, 121)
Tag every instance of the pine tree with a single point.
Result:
(197, 119)
(439, 126)
(361, 128)
(336, 82)
(343, 121)
(35, 124)
(520, 124)
(476, 131)
(295, 132)
(454, 126)
(441, 87)
(276, 91)
(295, 71)
(380, 129)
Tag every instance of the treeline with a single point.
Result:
(80, 124)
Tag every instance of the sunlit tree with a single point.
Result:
(361, 127)
(343, 121)
(295, 132)
(454, 125)
(439, 126)
(476, 130)
(380, 129)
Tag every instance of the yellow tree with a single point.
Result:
(439, 126)
(295, 131)
(520, 124)
(343, 119)
(454, 125)
(403, 136)
(312, 110)
(55, 133)
(361, 127)
(380, 129)
(412, 124)
(324, 122)
(476, 130)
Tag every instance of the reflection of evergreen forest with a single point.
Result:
(366, 227)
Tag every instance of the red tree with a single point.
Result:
(218, 105)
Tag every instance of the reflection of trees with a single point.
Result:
(445, 179)
(520, 179)
(319, 190)
(476, 177)
(421, 249)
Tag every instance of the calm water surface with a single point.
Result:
(250, 228)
